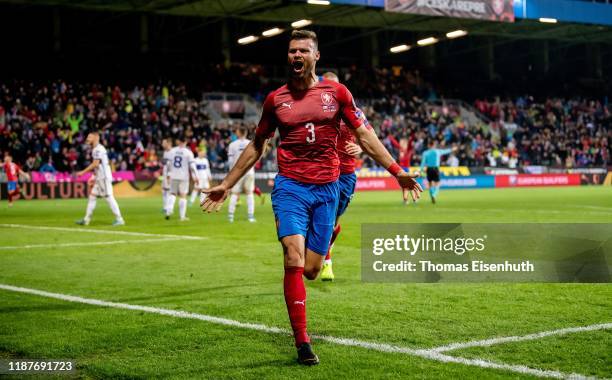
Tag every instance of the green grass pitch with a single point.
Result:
(236, 273)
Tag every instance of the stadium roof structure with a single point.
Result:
(370, 19)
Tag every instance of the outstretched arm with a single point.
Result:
(375, 149)
(370, 144)
(354, 118)
(24, 174)
(248, 158)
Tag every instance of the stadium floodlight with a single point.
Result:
(318, 2)
(247, 40)
(301, 23)
(272, 32)
(427, 41)
(456, 34)
(399, 48)
(548, 20)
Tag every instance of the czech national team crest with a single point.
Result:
(328, 102)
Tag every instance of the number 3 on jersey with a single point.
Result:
(311, 130)
(178, 162)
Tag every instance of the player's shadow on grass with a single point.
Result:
(188, 292)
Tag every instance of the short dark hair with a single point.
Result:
(243, 130)
(303, 34)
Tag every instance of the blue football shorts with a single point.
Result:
(305, 209)
(347, 184)
(11, 186)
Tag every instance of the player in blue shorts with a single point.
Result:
(306, 112)
(12, 171)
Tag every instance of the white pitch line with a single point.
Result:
(95, 231)
(84, 244)
(512, 339)
(380, 347)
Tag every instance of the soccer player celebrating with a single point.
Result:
(201, 168)
(13, 171)
(347, 151)
(103, 181)
(431, 160)
(306, 113)
(180, 167)
(246, 183)
(167, 197)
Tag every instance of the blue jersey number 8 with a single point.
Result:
(178, 162)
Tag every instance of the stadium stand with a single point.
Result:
(44, 124)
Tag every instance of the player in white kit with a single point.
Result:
(202, 170)
(167, 197)
(103, 181)
(246, 184)
(180, 168)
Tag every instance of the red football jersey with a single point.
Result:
(308, 123)
(12, 171)
(347, 161)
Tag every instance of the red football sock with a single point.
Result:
(333, 239)
(295, 298)
(257, 191)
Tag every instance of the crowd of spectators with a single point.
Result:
(44, 125)
(554, 132)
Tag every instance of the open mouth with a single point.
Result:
(298, 66)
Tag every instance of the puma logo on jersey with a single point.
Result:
(303, 303)
(288, 105)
